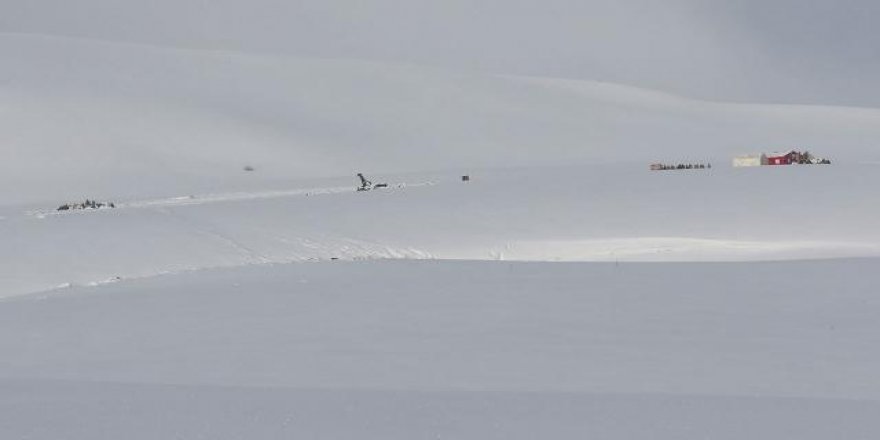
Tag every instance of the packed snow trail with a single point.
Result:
(222, 198)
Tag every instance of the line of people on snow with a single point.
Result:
(681, 166)
(88, 204)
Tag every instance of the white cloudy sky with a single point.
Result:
(800, 51)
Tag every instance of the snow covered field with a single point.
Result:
(590, 213)
(564, 292)
(437, 349)
(116, 325)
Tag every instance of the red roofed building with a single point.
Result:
(787, 158)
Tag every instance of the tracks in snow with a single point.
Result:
(214, 245)
(221, 198)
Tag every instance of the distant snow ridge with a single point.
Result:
(349, 249)
(683, 249)
(323, 251)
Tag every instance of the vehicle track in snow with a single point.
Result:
(203, 199)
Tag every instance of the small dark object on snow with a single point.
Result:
(366, 185)
(465, 178)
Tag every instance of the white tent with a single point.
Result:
(750, 160)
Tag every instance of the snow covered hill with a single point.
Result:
(590, 213)
(242, 288)
(85, 118)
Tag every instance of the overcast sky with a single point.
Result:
(797, 51)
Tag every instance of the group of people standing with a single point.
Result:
(681, 166)
(88, 204)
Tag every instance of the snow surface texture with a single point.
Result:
(465, 350)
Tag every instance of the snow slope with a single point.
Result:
(85, 118)
(593, 213)
(219, 303)
(435, 349)
(165, 133)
